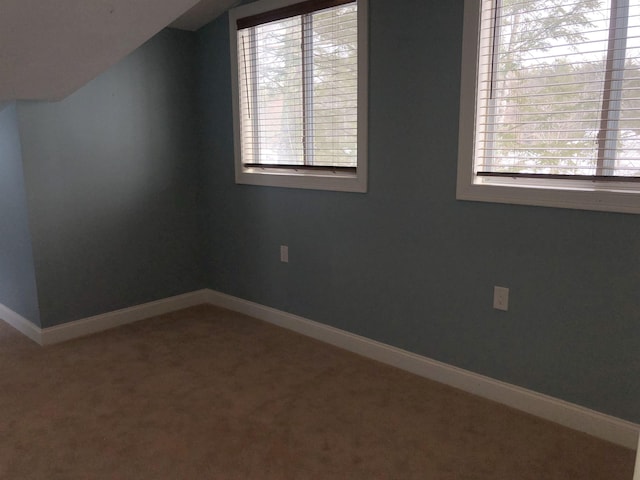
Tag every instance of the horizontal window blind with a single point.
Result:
(298, 87)
(559, 89)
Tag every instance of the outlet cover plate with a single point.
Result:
(501, 298)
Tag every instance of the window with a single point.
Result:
(299, 93)
(550, 103)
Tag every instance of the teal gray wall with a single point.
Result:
(17, 276)
(407, 264)
(111, 173)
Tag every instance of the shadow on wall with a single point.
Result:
(17, 275)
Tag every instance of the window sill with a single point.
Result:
(339, 182)
(578, 197)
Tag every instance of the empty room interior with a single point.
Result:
(181, 301)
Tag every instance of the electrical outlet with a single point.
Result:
(284, 253)
(501, 298)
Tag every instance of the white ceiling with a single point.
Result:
(50, 48)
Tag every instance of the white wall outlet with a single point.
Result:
(501, 298)
(284, 253)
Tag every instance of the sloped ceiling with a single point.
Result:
(50, 48)
(202, 13)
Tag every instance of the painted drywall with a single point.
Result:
(17, 275)
(110, 174)
(407, 264)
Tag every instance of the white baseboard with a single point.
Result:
(568, 414)
(105, 321)
(99, 323)
(21, 324)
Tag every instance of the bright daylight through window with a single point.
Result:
(550, 103)
(299, 93)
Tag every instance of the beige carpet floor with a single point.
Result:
(205, 393)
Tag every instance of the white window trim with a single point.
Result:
(583, 195)
(297, 179)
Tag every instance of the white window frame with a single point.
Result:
(315, 180)
(576, 194)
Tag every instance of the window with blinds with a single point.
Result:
(559, 90)
(550, 103)
(297, 90)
